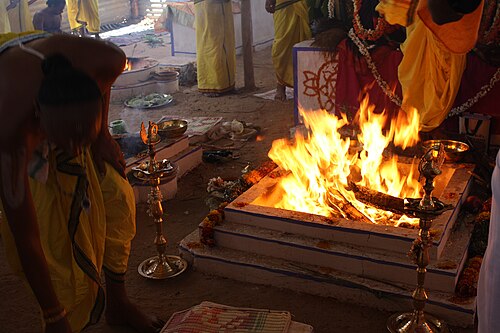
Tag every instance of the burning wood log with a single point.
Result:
(378, 199)
(339, 202)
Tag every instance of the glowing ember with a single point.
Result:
(319, 166)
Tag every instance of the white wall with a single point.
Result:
(262, 25)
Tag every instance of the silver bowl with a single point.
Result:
(174, 128)
(454, 150)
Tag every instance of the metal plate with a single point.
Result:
(140, 102)
(152, 269)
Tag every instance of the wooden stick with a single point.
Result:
(347, 208)
(378, 199)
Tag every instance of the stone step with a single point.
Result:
(316, 280)
(442, 274)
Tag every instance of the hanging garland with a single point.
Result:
(473, 100)
(331, 9)
(489, 28)
(367, 34)
(397, 100)
(380, 81)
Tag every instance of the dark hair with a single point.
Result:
(64, 87)
(63, 84)
(51, 3)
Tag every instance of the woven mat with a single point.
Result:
(210, 317)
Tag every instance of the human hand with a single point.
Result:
(60, 326)
(270, 5)
(106, 149)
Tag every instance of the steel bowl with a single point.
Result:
(174, 128)
(454, 150)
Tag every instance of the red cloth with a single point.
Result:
(477, 74)
(354, 74)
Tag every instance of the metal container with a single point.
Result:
(454, 150)
(174, 128)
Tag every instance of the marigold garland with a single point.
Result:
(216, 216)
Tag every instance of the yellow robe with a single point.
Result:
(215, 46)
(291, 26)
(12, 39)
(434, 59)
(20, 17)
(84, 12)
(86, 225)
(4, 17)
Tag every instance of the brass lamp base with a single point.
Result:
(154, 268)
(408, 323)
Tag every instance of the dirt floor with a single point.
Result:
(18, 310)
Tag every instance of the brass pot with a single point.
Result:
(169, 129)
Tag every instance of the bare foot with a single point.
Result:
(210, 94)
(219, 94)
(127, 314)
(280, 93)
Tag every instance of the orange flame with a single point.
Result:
(320, 164)
(128, 66)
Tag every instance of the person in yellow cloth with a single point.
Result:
(434, 53)
(215, 47)
(70, 212)
(4, 17)
(19, 16)
(291, 26)
(83, 16)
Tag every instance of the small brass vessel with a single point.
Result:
(169, 129)
(454, 151)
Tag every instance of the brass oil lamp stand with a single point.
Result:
(161, 266)
(426, 209)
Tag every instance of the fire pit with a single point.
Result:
(139, 78)
(324, 222)
(136, 70)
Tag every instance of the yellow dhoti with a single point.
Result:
(86, 224)
(215, 46)
(291, 26)
(12, 39)
(4, 17)
(84, 12)
(434, 59)
(20, 17)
